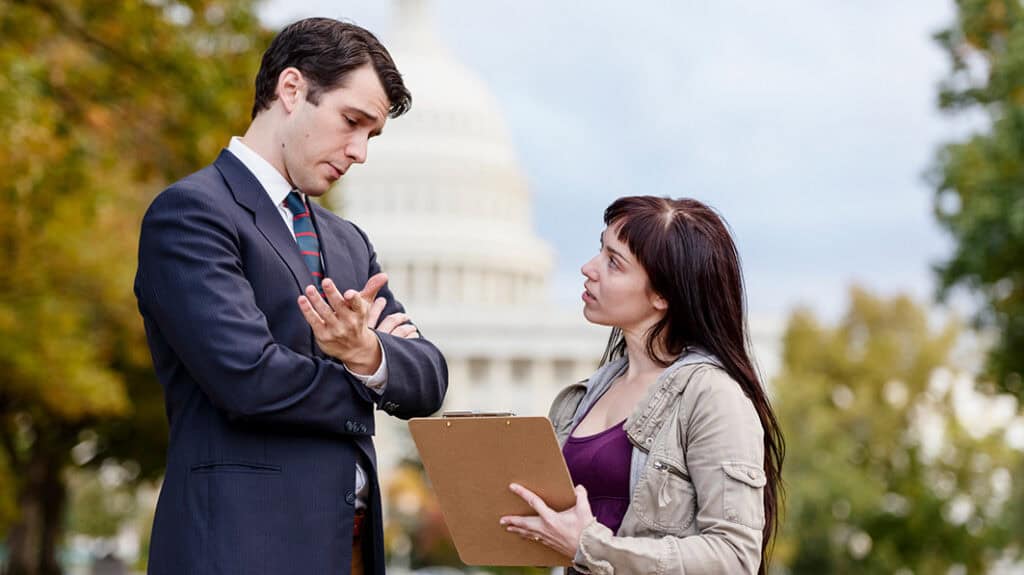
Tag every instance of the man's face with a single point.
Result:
(320, 142)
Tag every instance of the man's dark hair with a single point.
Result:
(325, 51)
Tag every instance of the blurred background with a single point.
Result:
(869, 157)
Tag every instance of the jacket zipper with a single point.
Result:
(662, 466)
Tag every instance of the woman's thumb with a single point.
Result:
(581, 497)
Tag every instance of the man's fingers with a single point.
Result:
(319, 305)
(393, 321)
(333, 295)
(375, 310)
(407, 331)
(312, 318)
(354, 300)
(373, 286)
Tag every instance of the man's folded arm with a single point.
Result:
(417, 374)
(192, 285)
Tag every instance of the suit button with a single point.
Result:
(350, 498)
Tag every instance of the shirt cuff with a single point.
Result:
(379, 379)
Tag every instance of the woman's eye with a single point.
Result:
(612, 264)
(350, 121)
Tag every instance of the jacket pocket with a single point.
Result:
(235, 467)
(743, 496)
(666, 501)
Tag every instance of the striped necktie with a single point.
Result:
(305, 236)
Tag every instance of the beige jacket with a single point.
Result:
(698, 478)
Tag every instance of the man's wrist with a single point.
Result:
(366, 360)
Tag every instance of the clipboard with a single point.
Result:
(471, 459)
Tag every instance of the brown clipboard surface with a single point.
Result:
(471, 461)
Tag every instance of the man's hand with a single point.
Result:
(340, 323)
(395, 324)
(559, 530)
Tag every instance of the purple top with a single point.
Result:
(601, 463)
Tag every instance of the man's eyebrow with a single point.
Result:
(370, 117)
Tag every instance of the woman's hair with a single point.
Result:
(692, 262)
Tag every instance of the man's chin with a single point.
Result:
(319, 190)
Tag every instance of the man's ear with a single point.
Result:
(291, 88)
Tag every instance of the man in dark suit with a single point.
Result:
(261, 309)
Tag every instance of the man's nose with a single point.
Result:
(356, 150)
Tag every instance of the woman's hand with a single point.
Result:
(560, 531)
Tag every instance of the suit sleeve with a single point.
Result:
(417, 372)
(192, 287)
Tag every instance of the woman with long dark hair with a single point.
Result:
(672, 443)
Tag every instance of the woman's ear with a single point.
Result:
(659, 302)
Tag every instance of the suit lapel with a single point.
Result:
(250, 194)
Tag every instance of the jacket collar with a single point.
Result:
(643, 424)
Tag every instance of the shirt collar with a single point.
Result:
(267, 175)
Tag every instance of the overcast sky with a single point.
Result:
(809, 124)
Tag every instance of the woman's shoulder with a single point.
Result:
(710, 388)
(565, 403)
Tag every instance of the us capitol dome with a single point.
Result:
(449, 213)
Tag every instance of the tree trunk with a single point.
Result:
(33, 539)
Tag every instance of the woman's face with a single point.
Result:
(617, 291)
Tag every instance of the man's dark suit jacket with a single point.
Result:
(265, 429)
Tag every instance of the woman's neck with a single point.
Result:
(642, 367)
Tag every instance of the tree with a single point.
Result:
(980, 180)
(101, 104)
(881, 475)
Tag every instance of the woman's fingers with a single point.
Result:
(582, 503)
(527, 534)
(533, 500)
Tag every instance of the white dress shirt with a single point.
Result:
(278, 189)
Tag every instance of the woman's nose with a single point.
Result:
(589, 270)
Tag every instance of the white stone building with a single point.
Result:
(448, 210)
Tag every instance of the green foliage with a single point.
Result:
(980, 180)
(880, 474)
(101, 105)
(101, 501)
